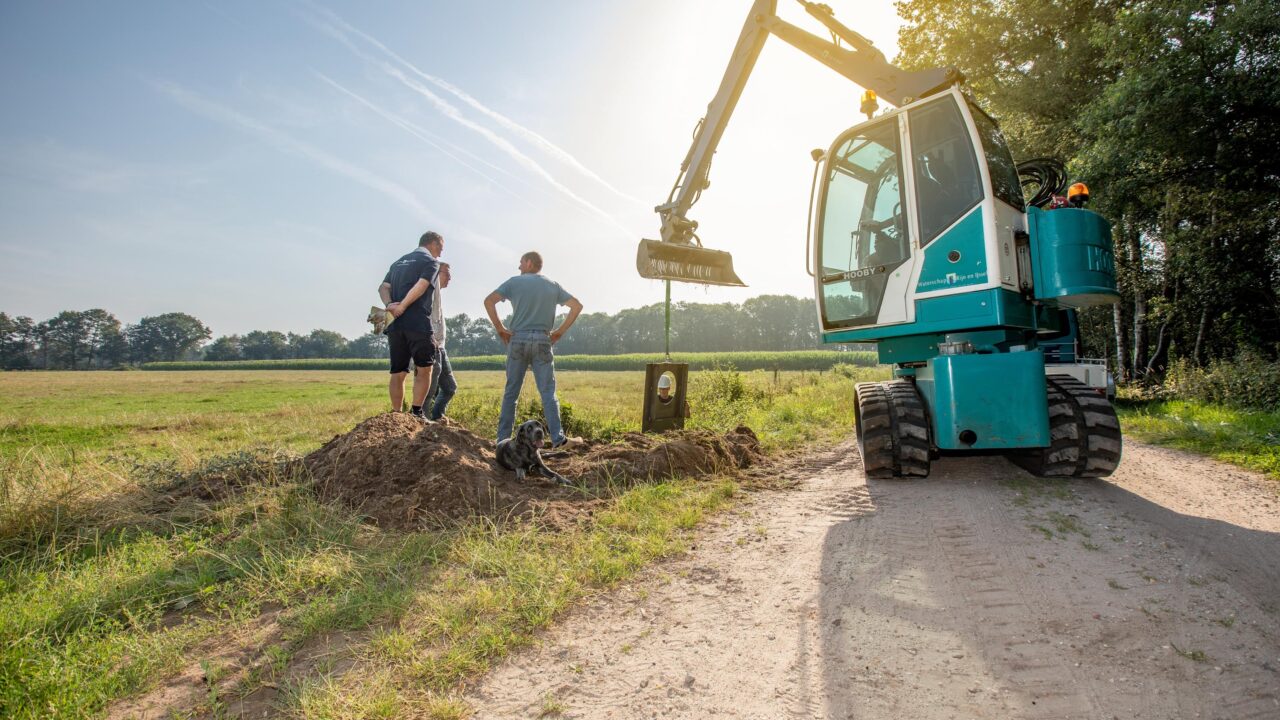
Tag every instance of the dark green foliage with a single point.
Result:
(767, 322)
(93, 339)
(72, 339)
(167, 337)
(227, 347)
(369, 345)
(17, 342)
(1168, 111)
(264, 345)
(1247, 382)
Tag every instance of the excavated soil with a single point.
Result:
(404, 474)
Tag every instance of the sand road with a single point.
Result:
(979, 592)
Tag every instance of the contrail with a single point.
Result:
(431, 139)
(282, 141)
(554, 150)
(451, 112)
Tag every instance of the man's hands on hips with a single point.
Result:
(556, 335)
(505, 334)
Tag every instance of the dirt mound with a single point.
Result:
(404, 474)
(689, 452)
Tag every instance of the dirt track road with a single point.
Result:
(976, 593)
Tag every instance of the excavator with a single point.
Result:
(923, 242)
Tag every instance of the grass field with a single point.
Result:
(816, 360)
(107, 592)
(108, 589)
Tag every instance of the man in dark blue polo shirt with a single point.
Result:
(405, 293)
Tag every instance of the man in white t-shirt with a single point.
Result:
(442, 379)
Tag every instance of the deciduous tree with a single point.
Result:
(166, 337)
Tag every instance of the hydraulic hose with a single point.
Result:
(1046, 175)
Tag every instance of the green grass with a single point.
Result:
(790, 360)
(1248, 438)
(112, 579)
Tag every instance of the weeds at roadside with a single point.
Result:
(1067, 524)
(1195, 655)
(551, 707)
(1242, 437)
(1048, 534)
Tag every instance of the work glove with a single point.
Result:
(380, 318)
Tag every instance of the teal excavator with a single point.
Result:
(925, 244)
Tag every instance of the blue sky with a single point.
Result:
(259, 164)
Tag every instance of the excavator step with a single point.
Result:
(893, 429)
(1084, 434)
(659, 260)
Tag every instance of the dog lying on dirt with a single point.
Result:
(522, 453)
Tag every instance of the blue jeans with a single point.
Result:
(441, 379)
(530, 348)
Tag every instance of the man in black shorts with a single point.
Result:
(405, 292)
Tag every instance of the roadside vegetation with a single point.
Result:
(118, 578)
(1227, 410)
(1248, 438)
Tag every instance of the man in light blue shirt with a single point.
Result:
(529, 339)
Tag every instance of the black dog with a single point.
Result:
(521, 453)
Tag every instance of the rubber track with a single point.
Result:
(1084, 434)
(893, 431)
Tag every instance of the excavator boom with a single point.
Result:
(679, 254)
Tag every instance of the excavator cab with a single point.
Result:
(926, 247)
(863, 231)
(906, 210)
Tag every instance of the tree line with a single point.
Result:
(1167, 110)
(96, 339)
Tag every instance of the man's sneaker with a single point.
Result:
(567, 442)
(419, 415)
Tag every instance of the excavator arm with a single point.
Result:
(679, 255)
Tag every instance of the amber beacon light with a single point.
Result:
(1078, 195)
(870, 103)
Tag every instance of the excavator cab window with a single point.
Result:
(948, 183)
(864, 233)
(1004, 172)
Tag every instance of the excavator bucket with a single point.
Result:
(659, 260)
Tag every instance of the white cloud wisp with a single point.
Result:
(453, 113)
(431, 139)
(528, 134)
(282, 141)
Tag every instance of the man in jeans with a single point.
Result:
(443, 384)
(529, 339)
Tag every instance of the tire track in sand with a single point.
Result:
(978, 592)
